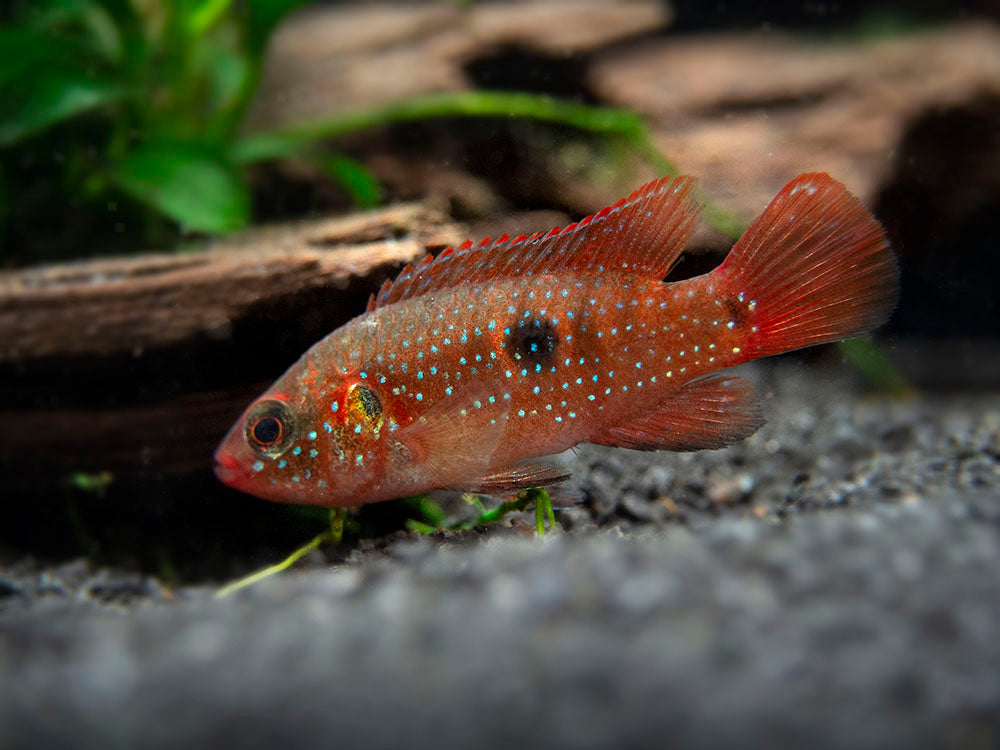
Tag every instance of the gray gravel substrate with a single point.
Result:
(838, 597)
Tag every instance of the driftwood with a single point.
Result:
(154, 301)
(140, 364)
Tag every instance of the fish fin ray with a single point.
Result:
(520, 476)
(705, 414)
(816, 265)
(641, 235)
(454, 440)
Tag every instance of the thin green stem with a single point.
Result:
(459, 104)
(536, 495)
(543, 511)
(875, 365)
(333, 536)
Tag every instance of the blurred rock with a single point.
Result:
(344, 58)
(747, 111)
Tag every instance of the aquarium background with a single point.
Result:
(194, 192)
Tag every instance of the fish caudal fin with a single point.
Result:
(814, 267)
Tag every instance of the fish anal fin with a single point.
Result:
(452, 444)
(709, 413)
(642, 235)
(519, 476)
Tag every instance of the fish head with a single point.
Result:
(309, 439)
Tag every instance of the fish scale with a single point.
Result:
(471, 367)
(618, 347)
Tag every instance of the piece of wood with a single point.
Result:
(145, 302)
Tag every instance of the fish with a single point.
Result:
(473, 368)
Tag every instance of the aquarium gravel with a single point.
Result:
(834, 581)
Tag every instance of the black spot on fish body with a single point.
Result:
(737, 311)
(533, 341)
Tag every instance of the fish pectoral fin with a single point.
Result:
(455, 440)
(709, 413)
(520, 476)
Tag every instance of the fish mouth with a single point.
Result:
(228, 469)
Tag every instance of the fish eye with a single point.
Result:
(270, 427)
(267, 430)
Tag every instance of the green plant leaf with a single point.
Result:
(31, 106)
(224, 72)
(45, 78)
(206, 14)
(188, 183)
(27, 53)
(600, 120)
(96, 21)
(876, 365)
(267, 146)
(351, 175)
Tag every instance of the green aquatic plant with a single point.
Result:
(96, 483)
(331, 535)
(874, 363)
(109, 104)
(434, 519)
(107, 100)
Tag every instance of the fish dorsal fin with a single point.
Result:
(641, 235)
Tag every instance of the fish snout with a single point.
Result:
(227, 468)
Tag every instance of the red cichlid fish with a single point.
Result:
(468, 367)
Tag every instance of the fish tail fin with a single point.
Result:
(814, 267)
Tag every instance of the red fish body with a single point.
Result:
(468, 368)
